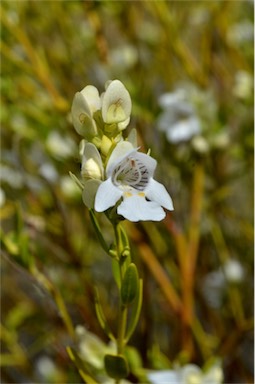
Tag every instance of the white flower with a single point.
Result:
(49, 172)
(60, 146)
(47, 370)
(178, 119)
(243, 86)
(233, 271)
(91, 348)
(116, 105)
(189, 374)
(85, 104)
(200, 144)
(130, 176)
(68, 187)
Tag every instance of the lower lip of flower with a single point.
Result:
(130, 194)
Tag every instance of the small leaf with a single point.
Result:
(130, 285)
(116, 366)
(80, 366)
(101, 316)
(98, 230)
(137, 305)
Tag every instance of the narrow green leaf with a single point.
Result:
(80, 366)
(116, 366)
(130, 285)
(137, 305)
(77, 181)
(101, 317)
(98, 231)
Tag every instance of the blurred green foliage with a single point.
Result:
(50, 254)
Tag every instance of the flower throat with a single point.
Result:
(131, 172)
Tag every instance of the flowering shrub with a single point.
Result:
(100, 261)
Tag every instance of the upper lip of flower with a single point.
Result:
(131, 176)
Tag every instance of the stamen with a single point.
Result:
(131, 172)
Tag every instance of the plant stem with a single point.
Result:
(122, 309)
(122, 329)
(188, 264)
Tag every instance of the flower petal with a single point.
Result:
(163, 377)
(136, 208)
(107, 196)
(147, 161)
(122, 149)
(91, 95)
(123, 124)
(183, 130)
(158, 193)
(81, 117)
(116, 103)
(132, 137)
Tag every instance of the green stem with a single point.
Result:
(122, 329)
(122, 309)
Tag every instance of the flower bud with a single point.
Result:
(116, 104)
(85, 103)
(92, 167)
(91, 170)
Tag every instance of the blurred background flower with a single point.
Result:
(178, 120)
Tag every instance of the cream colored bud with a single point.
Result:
(91, 170)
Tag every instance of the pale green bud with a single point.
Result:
(85, 104)
(116, 104)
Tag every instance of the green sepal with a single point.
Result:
(137, 305)
(125, 243)
(116, 366)
(97, 116)
(130, 285)
(111, 129)
(101, 317)
(80, 366)
(98, 231)
(89, 192)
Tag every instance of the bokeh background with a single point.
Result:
(200, 258)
